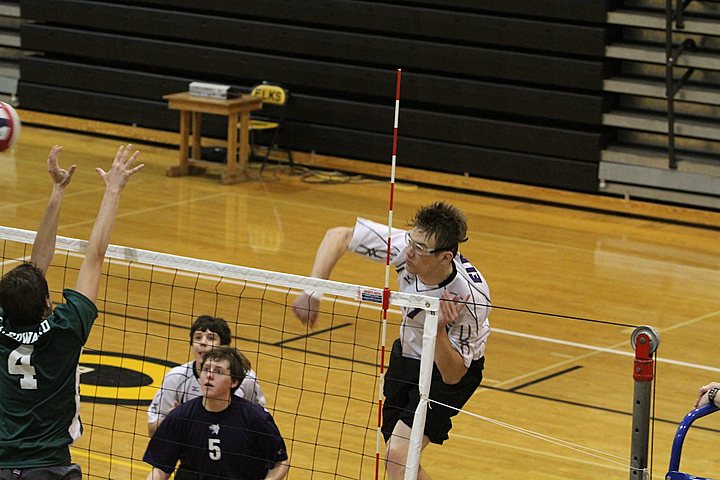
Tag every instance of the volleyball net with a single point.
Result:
(321, 386)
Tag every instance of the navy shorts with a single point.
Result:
(402, 395)
(68, 472)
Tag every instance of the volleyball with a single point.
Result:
(9, 126)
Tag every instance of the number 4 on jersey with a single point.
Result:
(19, 363)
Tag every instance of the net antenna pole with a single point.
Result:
(386, 289)
(645, 341)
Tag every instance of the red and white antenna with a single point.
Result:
(386, 289)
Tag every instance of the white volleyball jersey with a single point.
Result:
(181, 385)
(469, 333)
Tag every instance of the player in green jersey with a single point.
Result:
(40, 347)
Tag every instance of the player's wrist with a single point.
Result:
(314, 294)
(712, 394)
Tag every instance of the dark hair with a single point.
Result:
(214, 324)
(24, 295)
(443, 222)
(239, 365)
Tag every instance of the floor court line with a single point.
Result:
(10, 261)
(610, 349)
(74, 193)
(555, 456)
(477, 233)
(82, 453)
(542, 379)
(144, 210)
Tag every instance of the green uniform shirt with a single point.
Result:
(39, 385)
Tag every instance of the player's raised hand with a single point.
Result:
(306, 308)
(60, 176)
(121, 169)
(450, 308)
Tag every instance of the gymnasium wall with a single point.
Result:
(501, 89)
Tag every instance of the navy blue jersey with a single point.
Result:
(39, 398)
(241, 443)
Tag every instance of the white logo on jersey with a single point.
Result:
(27, 338)
(215, 428)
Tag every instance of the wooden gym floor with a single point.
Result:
(553, 260)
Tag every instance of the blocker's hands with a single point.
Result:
(60, 176)
(121, 169)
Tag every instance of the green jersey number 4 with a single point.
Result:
(19, 363)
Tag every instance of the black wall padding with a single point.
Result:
(439, 26)
(344, 79)
(337, 113)
(102, 106)
(458, 158)
(578, 10)
(441, 19)
(317, 43)
(489, 88)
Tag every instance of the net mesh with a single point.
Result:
(321, 386)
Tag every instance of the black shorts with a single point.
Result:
(402, 395)
(68, 472)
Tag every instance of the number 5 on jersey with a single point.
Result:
(214, 448)
(19, 363)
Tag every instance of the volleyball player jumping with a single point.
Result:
(427, 262)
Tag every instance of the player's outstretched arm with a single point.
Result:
(44, 246)
(331, 249)
(279, 471)
(115, 180)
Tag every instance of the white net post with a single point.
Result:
(427, 361)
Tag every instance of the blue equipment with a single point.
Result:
(673, 473)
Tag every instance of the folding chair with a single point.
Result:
(275, 99)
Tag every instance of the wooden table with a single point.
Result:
(236, 109)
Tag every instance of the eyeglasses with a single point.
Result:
(419, 248)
